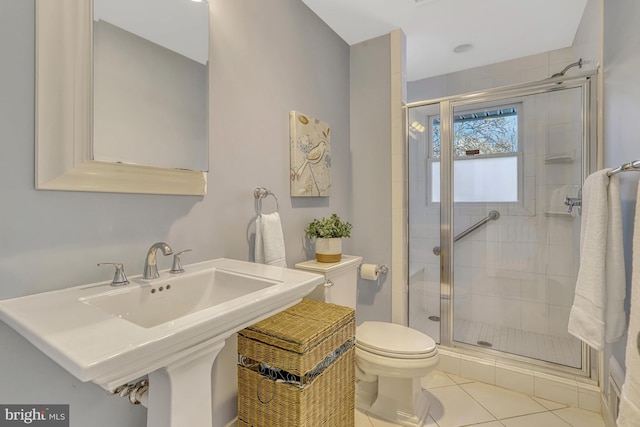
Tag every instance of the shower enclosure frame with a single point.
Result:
(585, 81)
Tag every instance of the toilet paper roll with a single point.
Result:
(369, 271)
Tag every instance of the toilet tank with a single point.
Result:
(341, 280)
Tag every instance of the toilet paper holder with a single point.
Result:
(380, 269)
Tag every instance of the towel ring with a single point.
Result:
(260, 193)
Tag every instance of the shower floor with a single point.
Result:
(564, 351)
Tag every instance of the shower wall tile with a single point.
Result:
(478, 255)
(458, 82)
(589, 397)
(530, 165)
(535, 61)
(513, 378)
(559, 263)
(535, 317)
(509, 78)
(563, 106)
(560, 58)
(508, 314)
(508, 287)
(536, 73)
(561, 229)
(480, 73)
(534, 289)
(481, 83)
(556, 389)
(484, 309)
(561, 290)
(478, 369)
(559, 320)
(449, 362)
(562, 138)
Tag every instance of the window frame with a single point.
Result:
(519, 104)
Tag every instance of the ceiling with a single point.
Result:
(499, 30)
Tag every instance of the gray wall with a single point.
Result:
(621, 112)
(269, 58)
(371, 170)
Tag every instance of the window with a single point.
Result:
(487, 152)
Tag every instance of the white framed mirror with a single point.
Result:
(64, 114)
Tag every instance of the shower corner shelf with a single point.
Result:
(559, 158)
(550, 212)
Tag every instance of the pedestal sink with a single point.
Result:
(170, 328)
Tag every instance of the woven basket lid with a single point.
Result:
(303, 326)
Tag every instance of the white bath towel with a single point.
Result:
(269, 247)
(597, 315)
(629, 414)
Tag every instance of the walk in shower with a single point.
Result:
(493, 248)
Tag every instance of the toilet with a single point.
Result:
(390, 358)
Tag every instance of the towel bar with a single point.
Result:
(631, 166)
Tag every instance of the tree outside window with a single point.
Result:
(488, 132)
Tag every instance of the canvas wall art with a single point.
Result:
(310, 172)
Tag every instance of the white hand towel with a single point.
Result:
(597, 315)
(269, 246)
(629, 414)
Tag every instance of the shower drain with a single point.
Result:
(434, 318)
(484, 343)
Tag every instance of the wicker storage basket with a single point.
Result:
(308, 348)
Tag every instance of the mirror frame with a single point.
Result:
(64, 114)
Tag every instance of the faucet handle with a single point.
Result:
(119, 278)
(176, 267)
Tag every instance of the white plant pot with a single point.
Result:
(328, 250)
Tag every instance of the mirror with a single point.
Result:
(150, 82)
(66, 159)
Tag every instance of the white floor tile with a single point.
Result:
(453, 407)
(489, 424)
(502, 403)
(377, 422)
(546, 419)
(459, 380)
(436, 379)
(549, 404)
(362, 420)
(431, 423)
(580, 417)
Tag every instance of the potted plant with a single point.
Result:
(328, 234)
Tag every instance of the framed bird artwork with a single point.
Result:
(310, 172)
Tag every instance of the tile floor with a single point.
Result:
(458, 402)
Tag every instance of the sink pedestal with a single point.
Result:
(180, 393)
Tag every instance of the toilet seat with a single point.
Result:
(394, 341)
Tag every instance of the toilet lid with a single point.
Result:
(392, 340)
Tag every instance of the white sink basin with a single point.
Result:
(151, 303)
(115, 335)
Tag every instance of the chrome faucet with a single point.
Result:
(150, 264)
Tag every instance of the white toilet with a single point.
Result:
(390, 358)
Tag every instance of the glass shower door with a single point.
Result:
(424, 228)
(515, 160)
(514, 246)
